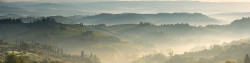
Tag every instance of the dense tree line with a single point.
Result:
(10, 21)
(45, 20)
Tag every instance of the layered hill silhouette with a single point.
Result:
(166, 18)
(121, 38)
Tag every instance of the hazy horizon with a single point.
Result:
(66, 1)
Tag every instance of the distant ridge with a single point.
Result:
(159, 18)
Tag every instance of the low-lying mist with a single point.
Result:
(124, 43)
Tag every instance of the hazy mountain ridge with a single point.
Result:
(167, 18)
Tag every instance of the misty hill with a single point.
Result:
(166, 18)
(241, 25)
(176, 35)
(48, 29)
(237, 26)
(160, 33)
(234, 51)
(72, 38)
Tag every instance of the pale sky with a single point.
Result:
(125, 0)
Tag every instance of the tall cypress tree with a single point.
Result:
(12, 59)
(247, 60)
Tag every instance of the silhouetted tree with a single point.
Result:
(247, 60)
